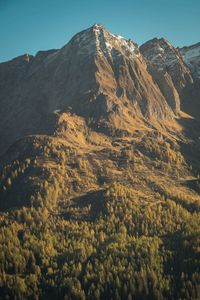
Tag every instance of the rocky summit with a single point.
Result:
(99, 170)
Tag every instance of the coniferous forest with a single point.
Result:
(115, 241)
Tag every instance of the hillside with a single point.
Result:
(99, 168)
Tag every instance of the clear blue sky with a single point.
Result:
(27, 26)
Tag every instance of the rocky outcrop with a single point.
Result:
(191, 56)
(168, 69)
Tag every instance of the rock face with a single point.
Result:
(191, 56)
(98, 75)
(168, 69)
(191, 97)
(99, 72)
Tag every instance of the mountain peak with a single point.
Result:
(97, 40)
(97, 26)
(162, 53)
(166, 64)
(159, 50)
(159, 40)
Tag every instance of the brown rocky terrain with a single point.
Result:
(96, 75)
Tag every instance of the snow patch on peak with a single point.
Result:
(96, 40)
(97, 26)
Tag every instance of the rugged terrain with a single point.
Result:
(99, 191)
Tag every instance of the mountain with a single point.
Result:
(96, 75)
(168, 69)
(191, 56)
(176, 73)
(99, 171)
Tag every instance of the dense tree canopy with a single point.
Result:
(131, 250)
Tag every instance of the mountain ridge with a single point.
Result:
(115, 81)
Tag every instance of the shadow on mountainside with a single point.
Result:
(85, 207)
(191, 150)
